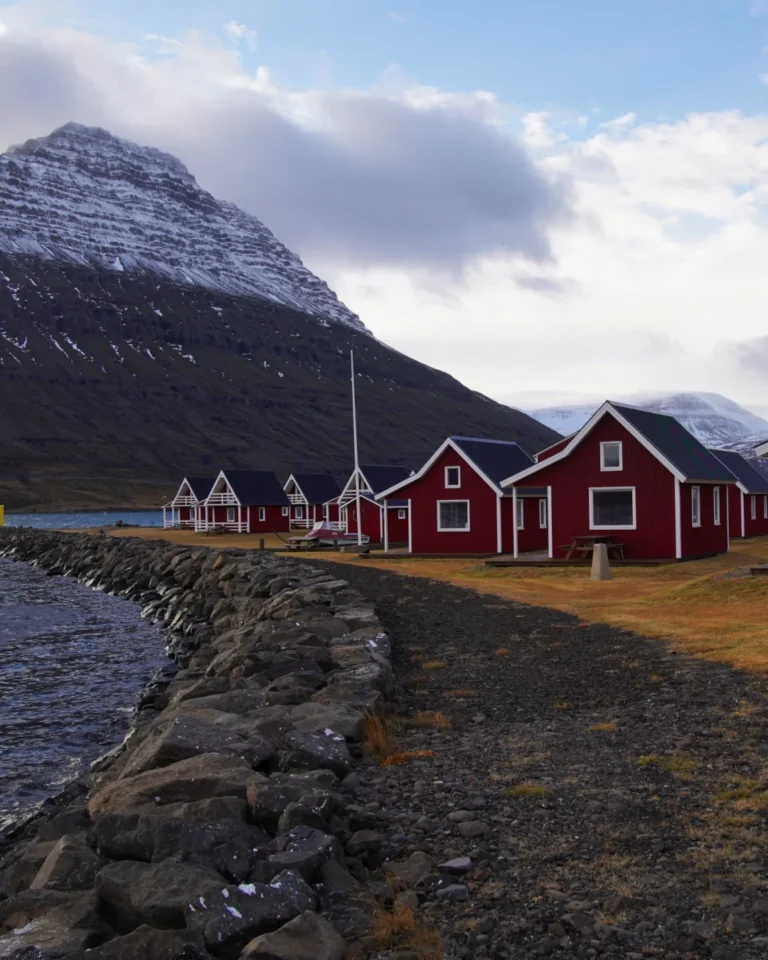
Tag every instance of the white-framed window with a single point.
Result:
(543, 514)
(612, 508)
(452, 516)
(286, 511)
(695, 506)
(716, 504)
(230, 514)
(401, 514)
(262, 514)
(299, 513)
(452, 477)
(753, 508)
(326, 511)
(520, 517)
(611, 455)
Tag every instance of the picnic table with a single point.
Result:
(585, 546)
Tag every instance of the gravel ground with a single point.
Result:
(609, 791)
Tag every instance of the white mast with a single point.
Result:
(357, 463)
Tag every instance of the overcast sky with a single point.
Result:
(568, 199)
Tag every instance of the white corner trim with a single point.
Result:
(743, 517)
(386, 528)
(515, 538)
(441, 529)
(410, 528)
(611, 443)
(678, 522)
(498, 523)
(550, 535)
(612, 526)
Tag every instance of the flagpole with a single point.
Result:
(357, 463)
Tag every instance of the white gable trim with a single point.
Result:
(364, 485)
(606, 409)
(190, 493)
(294, 481)
(447, 444)
(223, 476)
(678, 523)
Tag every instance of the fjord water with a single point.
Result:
(75, 521)
(72, 664)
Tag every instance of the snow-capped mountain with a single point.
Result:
(712, 418)
(84, 196)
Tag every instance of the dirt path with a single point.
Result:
(616, 788)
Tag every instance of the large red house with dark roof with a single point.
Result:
(748, 499)
(456, 503)
(246, 501)
(640, 477)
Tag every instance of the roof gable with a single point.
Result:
(256, 487)
(496, 459)
(749, 478)
(383, 476)
(317, 487)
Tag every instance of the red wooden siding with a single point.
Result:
(371, 514)
(532, 536)
(397, 529)
(752, 528)
(734, 496)
(424, 494)
(572, 477)
(186, 514)
(274, 521)
(555, 448)
(708, 538)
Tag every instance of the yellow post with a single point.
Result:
(2, 515)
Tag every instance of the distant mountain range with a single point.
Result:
(712, 418)
(149, 330)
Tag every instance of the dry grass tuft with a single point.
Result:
(433, 664)
(460, 693)
(677, 763)
(432, 718)
(378, 736)
(602, 727)
(417, 680)
(399, 929)
(502, 651)
(562, 705)
(396, 759)
(528, 789)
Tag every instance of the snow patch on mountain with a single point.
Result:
(83, 196)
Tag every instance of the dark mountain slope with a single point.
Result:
(114, 384)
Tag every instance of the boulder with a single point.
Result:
(23, 871)
(308, 937)
(183, 737)
(64, 931)
(71, 821)
(342, 719)
(17, 911)
(217, 808)
(199, 778)
(304, 849)
(146, 943)
(71, 865)
(269, 801)
(158, 894)
(310, 751)
(410, 872)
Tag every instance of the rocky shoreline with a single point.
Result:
(226, 825)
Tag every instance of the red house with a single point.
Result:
(184, 508)
(457, 505)
(748, 499)
(373, 478)
(640, 477)
(311, 496)
(246, 501)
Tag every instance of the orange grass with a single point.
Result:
(397, 758)
(685, 603)
(432, 718)
(399, 927)
(378, 736)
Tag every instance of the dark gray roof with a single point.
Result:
(670, 438)
(743, 471)
(397, 503)
(382, 477)
(317, 487)
(497, 459)
(256, 488)
(200, 486)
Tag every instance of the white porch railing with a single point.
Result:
(335, 525)
(297, 499)
(221, 500)
(184, 502)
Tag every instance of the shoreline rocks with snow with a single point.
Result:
(225, 824)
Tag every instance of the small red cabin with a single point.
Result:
(246, 501)
(457, 505)
(311, 496)
(183, 510)
(748, 499)
(378, 523)
(638, 477)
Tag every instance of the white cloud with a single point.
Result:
(415, 204)
(240, 33)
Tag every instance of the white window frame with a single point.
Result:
(230, 514)
(753, 507)
(611, 443)
(442, 529)
(262, 514)
(543, 510)
(716, 506)
(520, 518)
(696, 506)
(453, 486)
(612, 526)
(286, 511)
(402, 514)
(298, 512)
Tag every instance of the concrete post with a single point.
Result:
(601, 569)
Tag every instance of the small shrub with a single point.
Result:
(502, 651)
(378, 736)
(432, 718)
(528, 790)
(399, 928)
(562, 705)
(602, 727)
(396, 759)
(677, 763)
(433, 665)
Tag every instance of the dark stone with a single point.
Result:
(308, 937)
(312, 751)
(146, 943)
(71, 865)
(305, 850)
